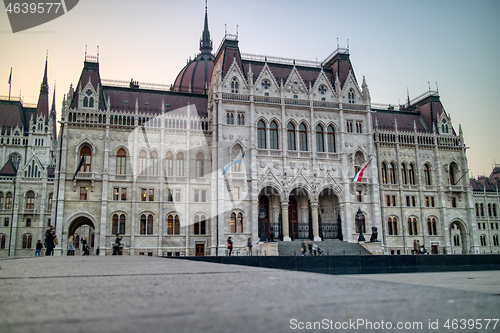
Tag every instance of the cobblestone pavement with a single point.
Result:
(150, 294)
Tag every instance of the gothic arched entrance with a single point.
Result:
(299, 214)
(329, 218)
(82, 227)
(270, 222)
(458, 238)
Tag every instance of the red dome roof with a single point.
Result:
(195, 76)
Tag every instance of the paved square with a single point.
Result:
(151, 294)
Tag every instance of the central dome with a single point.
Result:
(195, 76)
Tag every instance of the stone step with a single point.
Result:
(328, 247)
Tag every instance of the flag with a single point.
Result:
(359, 176)
(236, 160)
(10, 76)
(79, 166)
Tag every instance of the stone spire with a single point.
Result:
(43, 99)
(205, 41)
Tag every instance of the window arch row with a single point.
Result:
(118, 223)
(173, 223)
(174, 163)
(236, 222)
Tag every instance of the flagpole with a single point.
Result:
(10, 81)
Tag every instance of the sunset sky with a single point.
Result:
(396, 44)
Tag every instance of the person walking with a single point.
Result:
(85, 247)
(249, 246)
(315, 248)
(39, 247)
(50, 241)
(230, 245)
(310, 246)
(304, 248)
(71, 246)
(116, 246)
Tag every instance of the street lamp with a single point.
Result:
(361, 220)
(262, 216)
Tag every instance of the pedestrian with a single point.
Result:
(85, 247)
(71, 246)
(249, 246)
(97, 252)
(315, 248)
(304, 248)
(310, 246)
(230, 245)
(116, 246)
(50, 241)
(39, 247)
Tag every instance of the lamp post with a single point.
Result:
(361, 220)
(262, 216)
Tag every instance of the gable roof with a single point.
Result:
(8, 169)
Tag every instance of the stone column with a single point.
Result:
(315, 222)
(284, 214)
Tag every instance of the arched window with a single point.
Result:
(1, 200)
(431, 226)
(261, 134)
(143, 157)
(87, 160)
(154, 163)
(482, 209)
(412, 226)
(351, 96)
(27, 241)
(427, 174)
(489, 210)
(477, 209)
(320, 144)
(91, 102)
(122, 224)
(200, 159)
(3, 241)
(114, 226)
(291, 137)
(143, 224)
(49, 201)
(303, 137)
(169, 161)
(200, 225)
(456, 240)
(15, 159)
(331, 139)
(85, 102)
(234, 85)
(232, 223)
(121, 162)
(404, 176)
(30, 200)
(495, 240)
(452, 174)
(392, 224)
(273, 135)
(239, 223)
(483, 240)
(494, 210)
(180, 164)
(173, 224)
(392, 173)
(411, 173)
(8, 201)
(150, 225)
(384, 173)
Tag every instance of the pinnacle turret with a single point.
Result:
(205, 41)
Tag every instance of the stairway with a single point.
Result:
(328, 246)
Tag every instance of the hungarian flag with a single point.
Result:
(359, 175)
(238, 159)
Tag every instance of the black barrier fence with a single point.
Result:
(365, 264)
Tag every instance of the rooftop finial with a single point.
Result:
(205, 41)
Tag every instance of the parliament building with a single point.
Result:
(150, 162)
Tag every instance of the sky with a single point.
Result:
(398, 45)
